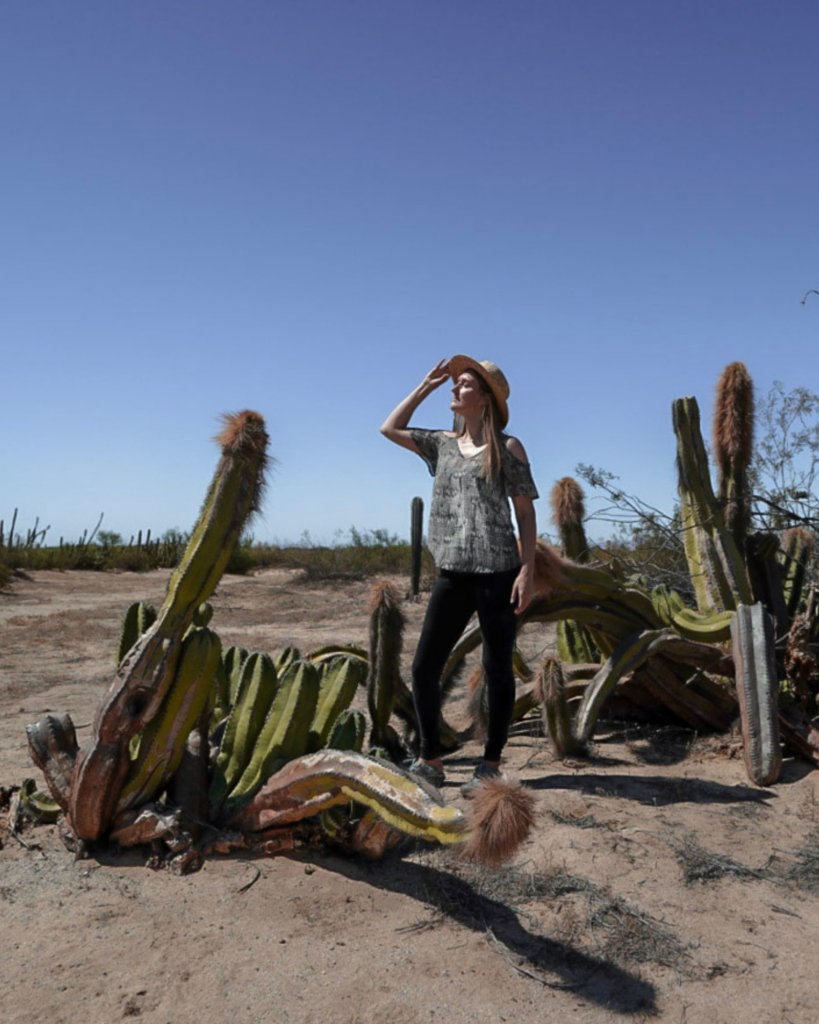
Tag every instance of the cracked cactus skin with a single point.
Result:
(162, 743)
(148, 670)
(317, 782)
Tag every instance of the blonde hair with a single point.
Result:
(492, 458)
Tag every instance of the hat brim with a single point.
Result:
(460, 363)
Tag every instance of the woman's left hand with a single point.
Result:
(522, 592)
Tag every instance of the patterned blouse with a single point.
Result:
(470, 523)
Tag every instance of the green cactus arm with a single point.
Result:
(340, 678)
(284, 733)
(138, 619)
(331, 651)
(348, 731)
(631, 653)
(162, 743)
(258, 686)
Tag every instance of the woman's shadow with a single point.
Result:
(552, 963)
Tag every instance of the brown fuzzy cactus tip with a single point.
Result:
(242, 432)
(568, 506)
(734, 414)
(501, 816)
(550, 569)
(384, 594)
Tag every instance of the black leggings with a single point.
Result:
(454, 598)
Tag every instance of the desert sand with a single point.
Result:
(659, 883)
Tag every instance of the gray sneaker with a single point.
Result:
(482, 771)
(427, 772)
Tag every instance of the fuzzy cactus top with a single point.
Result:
(470, 521)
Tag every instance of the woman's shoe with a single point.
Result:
(427, 772)
(482, 771)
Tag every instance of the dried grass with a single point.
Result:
(700, 865)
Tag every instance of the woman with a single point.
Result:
(477, 469)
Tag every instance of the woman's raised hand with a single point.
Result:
(436, 376)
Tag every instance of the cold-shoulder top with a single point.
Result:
(470, 522)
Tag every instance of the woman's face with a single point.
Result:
(467, 396)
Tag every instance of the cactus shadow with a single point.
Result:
(653, 790)
(551, 962)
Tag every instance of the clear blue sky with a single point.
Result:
(299, 207)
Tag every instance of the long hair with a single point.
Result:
(492, 458)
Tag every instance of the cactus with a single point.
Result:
(315, 783)
(138, 619)
(257, 688)
(285, 658)
(717, 571)
(752, 636)
(797, 550)
(148, 671)
(733, 429)
(416, 540)
(551, 692)
(284, 734)
(232, 661)
(386, 638)
(340, 679)
(203, 614)
(568, 512)
(348, 732)
(160, 750)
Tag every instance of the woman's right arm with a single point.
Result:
(395, 426)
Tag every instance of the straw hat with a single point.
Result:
(490, 374)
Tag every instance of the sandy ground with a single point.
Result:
(659, 882)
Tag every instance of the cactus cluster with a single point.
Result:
(649, 653)
(209, 750)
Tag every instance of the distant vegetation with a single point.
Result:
(356, 554)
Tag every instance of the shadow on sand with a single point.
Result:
(547, 961)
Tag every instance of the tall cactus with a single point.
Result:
(717, 570)
(148, 671)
